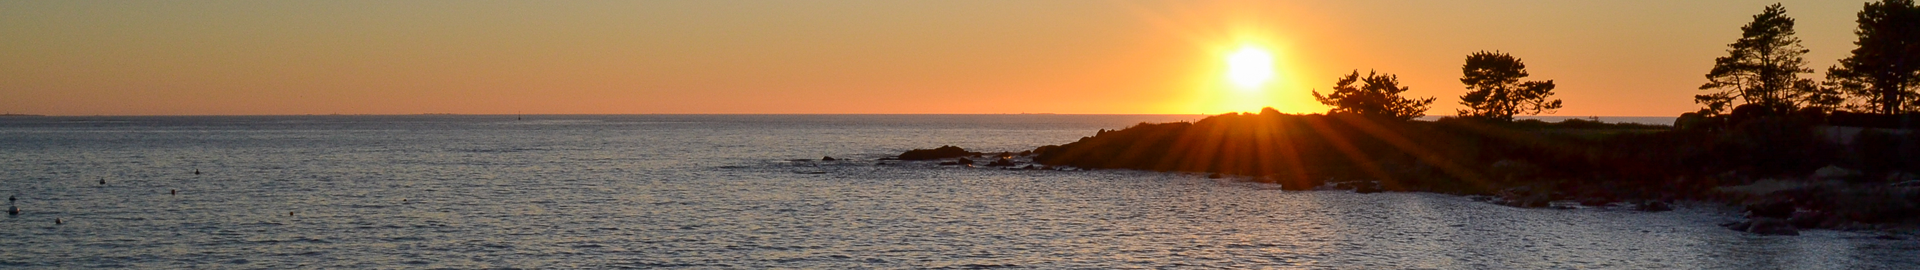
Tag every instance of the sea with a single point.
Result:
(752, 192)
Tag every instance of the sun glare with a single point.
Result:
(1250, 67)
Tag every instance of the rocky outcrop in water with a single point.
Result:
(1531, 163)
(941, 152)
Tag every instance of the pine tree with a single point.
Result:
(1763, 68)
(1496, 92)
(1378, 96)
(1883, 70)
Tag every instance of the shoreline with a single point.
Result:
(1785, 173)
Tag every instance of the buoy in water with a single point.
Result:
(289, 213)
(196, 171)
(175, 192)
(103, 181)
(13, 210)
(56, 221)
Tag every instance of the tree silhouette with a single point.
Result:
(1763, 68)
(1883, 70)
(1379, 95)
(1496, 92)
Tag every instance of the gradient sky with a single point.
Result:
(1609, 58)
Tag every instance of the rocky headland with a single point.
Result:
(1787, 172)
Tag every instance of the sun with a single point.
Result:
(1250, 67)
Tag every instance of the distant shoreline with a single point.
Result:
(1429, 117)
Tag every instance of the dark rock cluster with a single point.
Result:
(942, 152)
(1530, 163)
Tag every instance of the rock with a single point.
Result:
(947, 151)
(1898, 177)
(1002, 162)
(1294, 183)
(950, 163)
(964, 161)
(1737, 226)
(1771, 209)
(1771, 226)
(1596, 201)
(1512, 169)
(1690, 121)
(1656, 206)
(1905, 184)
(1368, 187)
(1831, 172)
(1809, 219)
(828, 158)
(1523, 197)
(1563, 204)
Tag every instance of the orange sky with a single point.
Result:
(1612, 58)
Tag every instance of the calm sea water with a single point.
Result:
(748, 191)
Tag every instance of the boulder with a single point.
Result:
(1368, 187)
(947, 151)
(1294, 183)
(1807, 219)
(1690, 121)
(1512, 170)
(1778, 209)
(828, 158)
(1656, 206)
(1523, 197)
(1737, 226)
(1905, 184)
(964, 161)
(1898, 177)
(1597, 201)
(1834, 173)
(1002, 162)
(1563, 204)
(1771, 226)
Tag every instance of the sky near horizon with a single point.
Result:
(1609, 58)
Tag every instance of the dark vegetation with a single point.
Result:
(1378, 95)
(1494, 89)
(1533, 163)
(1795, 153)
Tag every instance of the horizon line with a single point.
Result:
(614, 114)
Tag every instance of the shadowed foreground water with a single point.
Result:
(749, 192)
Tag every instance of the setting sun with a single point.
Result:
(1250, 67)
